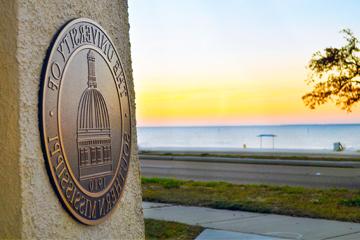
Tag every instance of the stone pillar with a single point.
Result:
(29, 205)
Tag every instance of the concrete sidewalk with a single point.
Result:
(226, 224)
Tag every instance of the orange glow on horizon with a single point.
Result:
(235, 104)
(243, 62)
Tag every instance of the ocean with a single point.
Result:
(302, 137)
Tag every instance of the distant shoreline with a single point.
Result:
(299, 138)
(290, 154)
(253, 150)
(254, 125)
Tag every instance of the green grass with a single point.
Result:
(335, 204)
(161, 230)
(326, 157)
(355, 202)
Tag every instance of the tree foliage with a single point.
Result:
(335, 75)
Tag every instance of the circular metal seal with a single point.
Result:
(86, 125)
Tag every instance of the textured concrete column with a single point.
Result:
(29, 206)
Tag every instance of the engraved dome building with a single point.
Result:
(93, 129)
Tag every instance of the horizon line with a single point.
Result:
(246, 125)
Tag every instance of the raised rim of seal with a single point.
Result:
(43, 131)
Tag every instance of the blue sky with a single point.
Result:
(206, 47)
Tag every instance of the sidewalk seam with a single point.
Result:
(228, 220)
(346, 234)
(159, 207)
(252, 233)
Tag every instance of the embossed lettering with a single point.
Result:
(74, 33)
(64, 180)
(62, 170)
(102, 206)
(82, 35)
(117, 186)
(82, 204)
(52, 85)
(53, 80)
(56, 149)
(69, 190)
(93, 210)
(108, 202)
(61, 51)
(55, 70)
(87, 33)
(112, 192)
(73, 196)
(116, 66)
(53, 139)
(77, 200)
(90, 178)
(94, 33)
(110, 53)
(103, 42)
(124, 91)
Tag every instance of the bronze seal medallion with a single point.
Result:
(86, 125)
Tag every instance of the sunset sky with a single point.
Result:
(233, 62)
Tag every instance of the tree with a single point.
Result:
(335, 75)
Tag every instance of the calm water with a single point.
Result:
(288, 136)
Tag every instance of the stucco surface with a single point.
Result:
(10, 197)
(42, 215)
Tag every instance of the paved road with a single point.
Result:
(321, 177)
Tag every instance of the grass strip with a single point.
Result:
(333, 204)
(255, 156)
(161, 230)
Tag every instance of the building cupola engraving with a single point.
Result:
(93, 129)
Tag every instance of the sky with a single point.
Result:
(233, 62)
